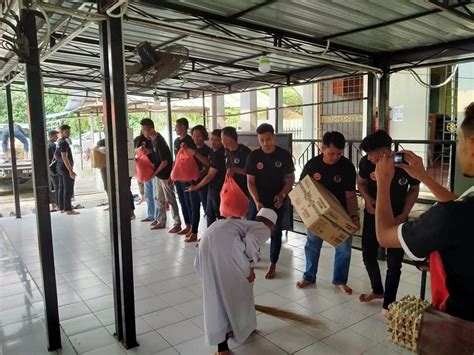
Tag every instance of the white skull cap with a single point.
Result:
(269, 214)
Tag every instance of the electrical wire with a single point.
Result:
(422, 83)
(123, 10)
(44, 42)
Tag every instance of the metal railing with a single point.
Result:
(441, 167)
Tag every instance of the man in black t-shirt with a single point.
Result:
(214, 178)
(52, 138)
(444, 233)
(164, 186)
(404, 192)
(270, 176)
(184, 140)
(338, 175)
(66, 174)
(236, 158)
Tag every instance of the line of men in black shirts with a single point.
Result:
(266, 175)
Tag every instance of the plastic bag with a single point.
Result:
(144, 168)
(234, 202)
(185, 167)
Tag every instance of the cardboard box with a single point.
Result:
(321, 212)
(98, 159)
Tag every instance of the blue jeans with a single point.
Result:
(184, 200)
(18, 134)
(342, 259)
(150, 198)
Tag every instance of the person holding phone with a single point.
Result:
(443, 233)
(404, 191)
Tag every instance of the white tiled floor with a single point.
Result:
(168, 295)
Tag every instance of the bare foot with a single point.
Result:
(368, 298)
(384, 313)
(227, 352)
(271, 271)
(71, 212)
(345, 289)
(230, 334)
(303, 283)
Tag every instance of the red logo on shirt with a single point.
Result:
(317, 176)
(259, 165)
(373, 176)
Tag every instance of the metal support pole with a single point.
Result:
(423, 285)
(203, 109)
(384, 94)
(277, 118)
(11, 130)
(119, 119)
(452, 168)
(79, 124)
(371, 102)
(110, 163)
(170, 122)
(36, 118)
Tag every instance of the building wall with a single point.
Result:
(406, 92)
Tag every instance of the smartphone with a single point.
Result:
(399, 158)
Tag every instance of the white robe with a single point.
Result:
(227, 251)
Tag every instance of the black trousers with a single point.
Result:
(213, 207)
(54, 188)
(65, 187)
(370, 247)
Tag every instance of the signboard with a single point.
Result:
(397, 113)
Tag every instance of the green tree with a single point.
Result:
(54, 102)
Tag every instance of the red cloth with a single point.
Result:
(185, 167)
(234, 202)
(144, 168)
(439, 292)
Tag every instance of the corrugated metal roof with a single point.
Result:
(226, 38)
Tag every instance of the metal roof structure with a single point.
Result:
(306, 41)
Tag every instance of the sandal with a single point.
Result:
(191, 238)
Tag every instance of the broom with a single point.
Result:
(287, 315)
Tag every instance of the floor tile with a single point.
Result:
(290, 339)
(190, 309)
(80, 324)
(150, 343)
(195, 346)
(73, 311)
(106, 317)
(349, 342)
(180, 332)
(319, 348)
(258, 347)
(112, 349)
(163, 318)
(100, 303)
(91, 340)
(149, 305)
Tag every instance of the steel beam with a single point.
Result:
(170, 122)
(16, 187)
(384, 94)
(119, 117)
(371, 103)
(36, 118)
(111, 179)
(250, 25)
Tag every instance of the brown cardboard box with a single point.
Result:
(321, 212)
(98, 159)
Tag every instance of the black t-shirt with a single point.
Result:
(217, 161)
(188, 142)
(447, 228)
(51, 150)
(204, 151)
(398, 189)
(162, 153)
(64, 147)
(270, 171)
(238, 159)
(337, 178)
